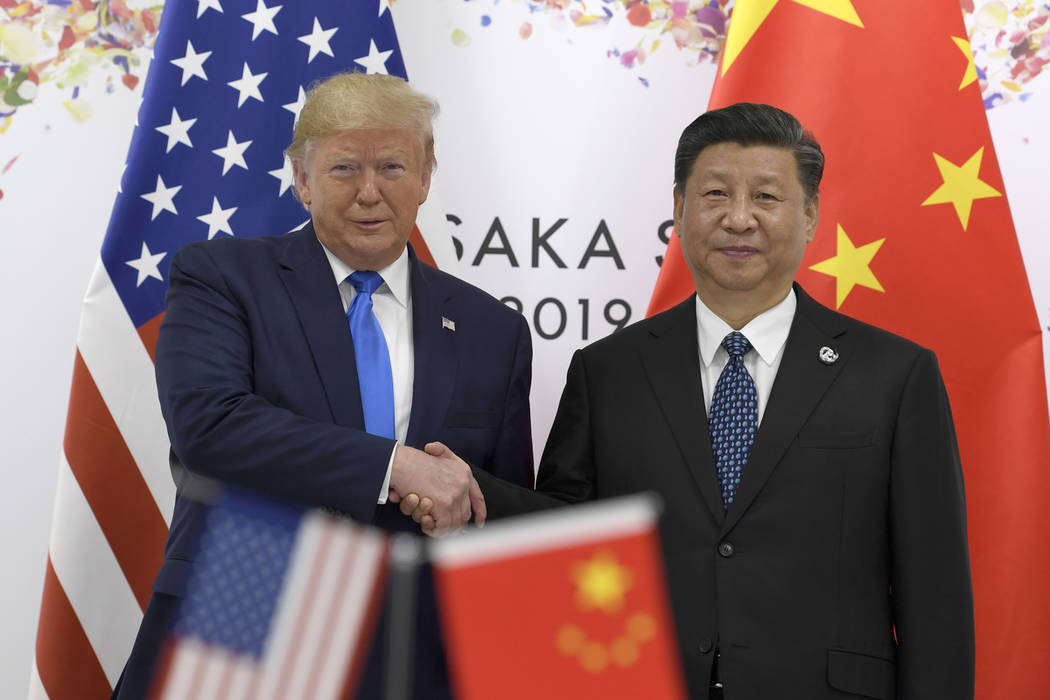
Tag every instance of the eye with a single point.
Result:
(767, 197)
(393, 168)
(342, 168)
(715, 193)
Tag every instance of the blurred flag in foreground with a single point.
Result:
(599, 623)
(282, 604)
(916, 237)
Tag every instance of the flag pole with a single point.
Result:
(406, 556)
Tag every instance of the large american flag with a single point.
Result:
(280, 605)
(226, 82)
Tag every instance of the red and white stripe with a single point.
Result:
(112, 506)
(335, 576)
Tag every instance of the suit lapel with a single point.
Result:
(308, 278)
(672, 364)
(801, 381)
(434, 347)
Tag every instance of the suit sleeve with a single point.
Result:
(512, 457)
(932, 593)
(566, 473)
(220, 428)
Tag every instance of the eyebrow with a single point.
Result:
(760, 179)
(356, 159)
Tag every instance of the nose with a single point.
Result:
(739, 217)
(368, 192)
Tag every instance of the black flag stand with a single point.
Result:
(406, 556)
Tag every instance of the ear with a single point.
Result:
(425, 185)
(812, 214)
(301, 181)
(679, 205)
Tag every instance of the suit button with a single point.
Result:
(726, 549)
(706, 645)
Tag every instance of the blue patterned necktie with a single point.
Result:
(373, 358)
(734, 417)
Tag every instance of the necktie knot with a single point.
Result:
(736, 344)
(365, 281)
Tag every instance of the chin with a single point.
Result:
(737, 280)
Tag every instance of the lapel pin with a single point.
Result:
(828, 355)
(445, 323)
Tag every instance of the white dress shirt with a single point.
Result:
(767, 333)
(392, 305)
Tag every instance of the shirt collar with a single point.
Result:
(395, 275)
(767, 332)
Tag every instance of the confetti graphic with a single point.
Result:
(1011, 47)
(65, 42)
(1010, 43)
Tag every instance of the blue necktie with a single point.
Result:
(734, 417)
(372, 356)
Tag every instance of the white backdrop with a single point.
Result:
(541, 129)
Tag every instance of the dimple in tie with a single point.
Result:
(372, 356)
(734, 417)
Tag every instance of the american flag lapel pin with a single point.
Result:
(446, 323)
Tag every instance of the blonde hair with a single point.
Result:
(360, 101)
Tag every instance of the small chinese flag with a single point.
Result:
(562, 604)
(916, 236)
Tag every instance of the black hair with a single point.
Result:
(750, 124)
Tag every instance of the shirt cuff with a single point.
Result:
(386, 482)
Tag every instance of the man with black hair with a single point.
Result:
(815, 528)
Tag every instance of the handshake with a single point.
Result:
(436, 489)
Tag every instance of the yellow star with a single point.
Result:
(850, 266)
(971, 70)
(961, 185)
(839, 9)
(748, 16)
(601, 583)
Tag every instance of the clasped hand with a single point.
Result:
(436, 489)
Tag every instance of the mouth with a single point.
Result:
(369, 224)
(738, 251)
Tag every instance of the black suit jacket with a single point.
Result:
(841, 569)
(258, 387)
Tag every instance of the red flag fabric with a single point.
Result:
(597, 623)
(916, 236)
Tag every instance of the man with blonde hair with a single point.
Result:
(314, 366)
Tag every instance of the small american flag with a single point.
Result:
(280, 605)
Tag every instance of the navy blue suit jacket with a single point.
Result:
(258, 387)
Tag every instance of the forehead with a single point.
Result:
(750, 163)
(365, 142)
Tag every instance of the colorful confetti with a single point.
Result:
(65, 42)
(694, 25)
(1011, 46)
(1009, 40)
(460, 38)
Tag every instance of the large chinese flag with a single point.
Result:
(916, 236)
(560, 605)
